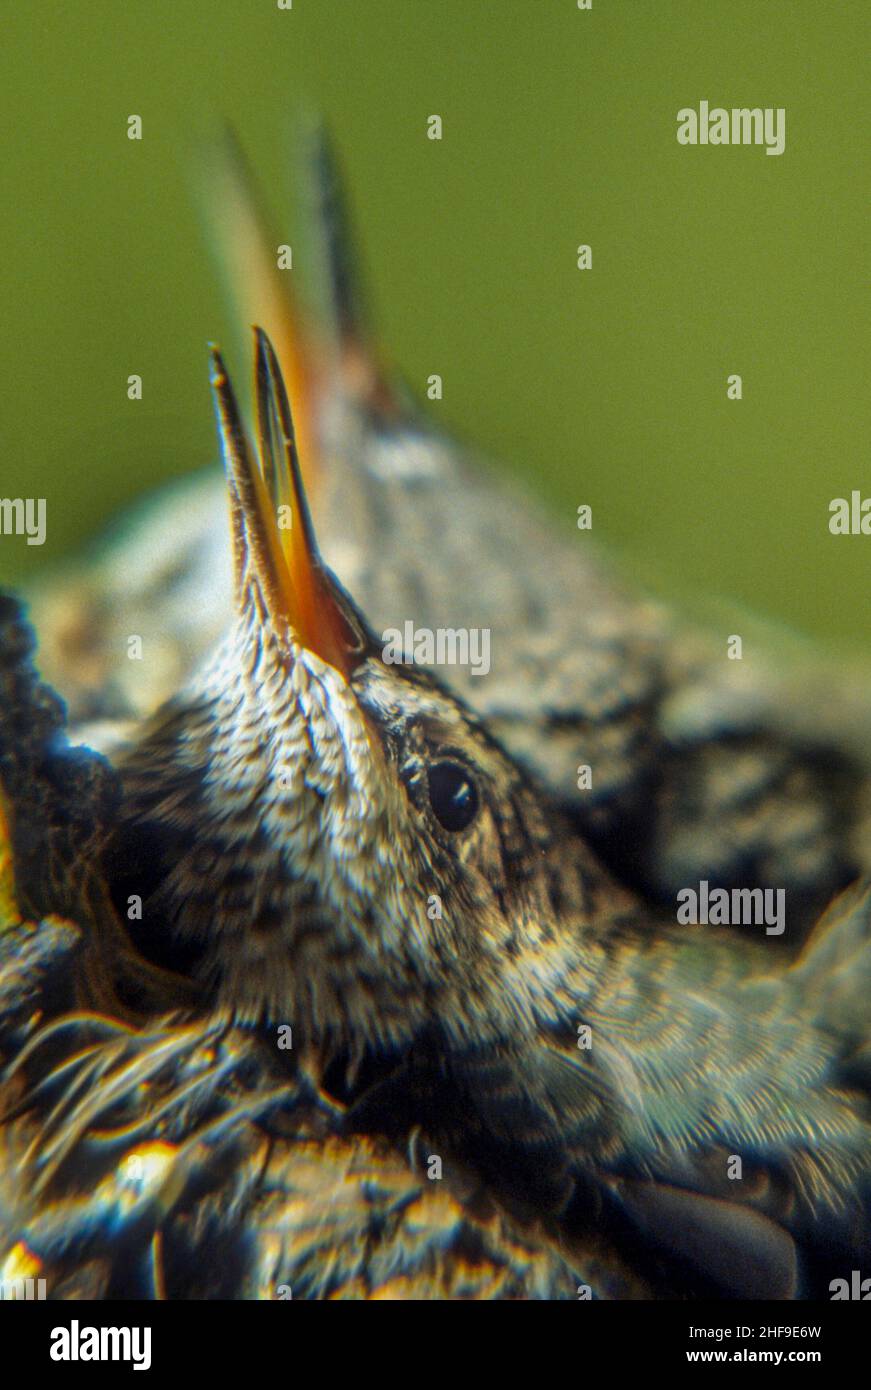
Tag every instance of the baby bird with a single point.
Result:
(325, 840)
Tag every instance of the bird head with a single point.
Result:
(331, 835)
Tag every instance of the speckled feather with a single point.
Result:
(752, 772)
(308, 791)
(275, 820)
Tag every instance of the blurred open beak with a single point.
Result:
(276, 556)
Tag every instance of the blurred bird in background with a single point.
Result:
(510, 1074)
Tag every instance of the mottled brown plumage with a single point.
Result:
(304, 867)
(744, 772)
(407, 873)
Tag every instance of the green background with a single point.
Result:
(606, 387)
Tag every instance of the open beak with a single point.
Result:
(309, 349)
(276, 554)
(245, 243)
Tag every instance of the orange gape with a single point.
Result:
(286, 556)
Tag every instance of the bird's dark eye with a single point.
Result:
(453, 795)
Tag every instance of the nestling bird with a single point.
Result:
(167, 1157)
(744, 773)
(405, 872)
(324, 840)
